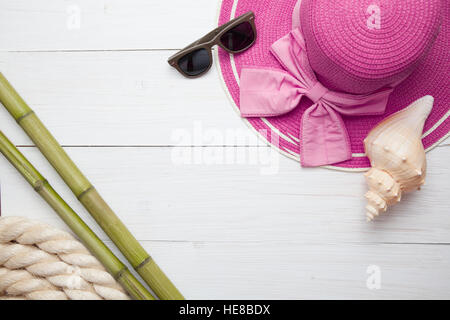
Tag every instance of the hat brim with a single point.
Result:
(274, 20)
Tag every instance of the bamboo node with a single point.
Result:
(19, 119)
(120, 273)
(143, 263)
(84, 192)
(39, 185)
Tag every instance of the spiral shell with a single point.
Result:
(397, 156)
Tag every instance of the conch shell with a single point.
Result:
(397, 156)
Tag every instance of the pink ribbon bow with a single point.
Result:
(323, 137)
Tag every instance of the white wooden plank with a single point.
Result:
(103, 24)
(121, 98)
(162, 199)
(295, 270)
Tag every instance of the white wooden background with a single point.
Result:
(221, 224)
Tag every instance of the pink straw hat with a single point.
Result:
(323, 73)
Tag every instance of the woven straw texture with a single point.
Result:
(348, 56)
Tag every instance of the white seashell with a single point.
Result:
(397, 156)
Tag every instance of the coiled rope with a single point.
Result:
(39, 262)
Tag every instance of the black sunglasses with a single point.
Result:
(234, 36)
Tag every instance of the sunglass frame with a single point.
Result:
(212, 39)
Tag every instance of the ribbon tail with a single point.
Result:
(324, 139)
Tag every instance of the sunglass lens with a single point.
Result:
(238, 38)
(195, 62)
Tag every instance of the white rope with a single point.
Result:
(39, 262)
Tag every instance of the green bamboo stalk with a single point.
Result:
(112, 264)
(87, 194)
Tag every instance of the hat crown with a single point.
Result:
(360, 46)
